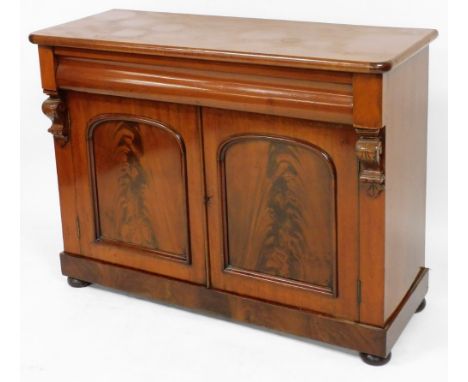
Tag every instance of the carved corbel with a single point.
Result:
(54, 108)
(369, 151)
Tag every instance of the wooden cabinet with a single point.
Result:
(261, 175)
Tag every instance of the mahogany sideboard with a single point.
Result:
(272, 172)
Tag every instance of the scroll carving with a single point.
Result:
(54, 108)
(369, 151)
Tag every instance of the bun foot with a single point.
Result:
(421, 306)
(76, 283)
(375, 360)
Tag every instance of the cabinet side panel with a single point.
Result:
(405, 115)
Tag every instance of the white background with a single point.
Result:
(97, 335)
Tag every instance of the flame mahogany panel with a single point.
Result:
(139, 174)
(279, 203)
(139, 183)
(282, 210)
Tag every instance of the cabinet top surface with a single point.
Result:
(258, 41)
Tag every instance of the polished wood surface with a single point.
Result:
(273, 173)
(140, 185)
(371, 238)
(279, 210)
(367, 101)
(254, 220)
(407, 307)
(274, 42)
(290, 92)
(405, 105)
(128, 169)
(374, 340)
(67, 196)
(48, 65)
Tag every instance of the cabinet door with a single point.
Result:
(139, 180)
(283, 210)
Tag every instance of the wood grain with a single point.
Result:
(300, 322)
(303, 95)
(405, 105)
(280, 210)
(274, 42)
(273, 173)
(129, 172)
(184, 63)
(367, 101)
(67, 192)
(372, 256)
(174, 215)
(338, 143)
(408, 305)
(48, 64)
